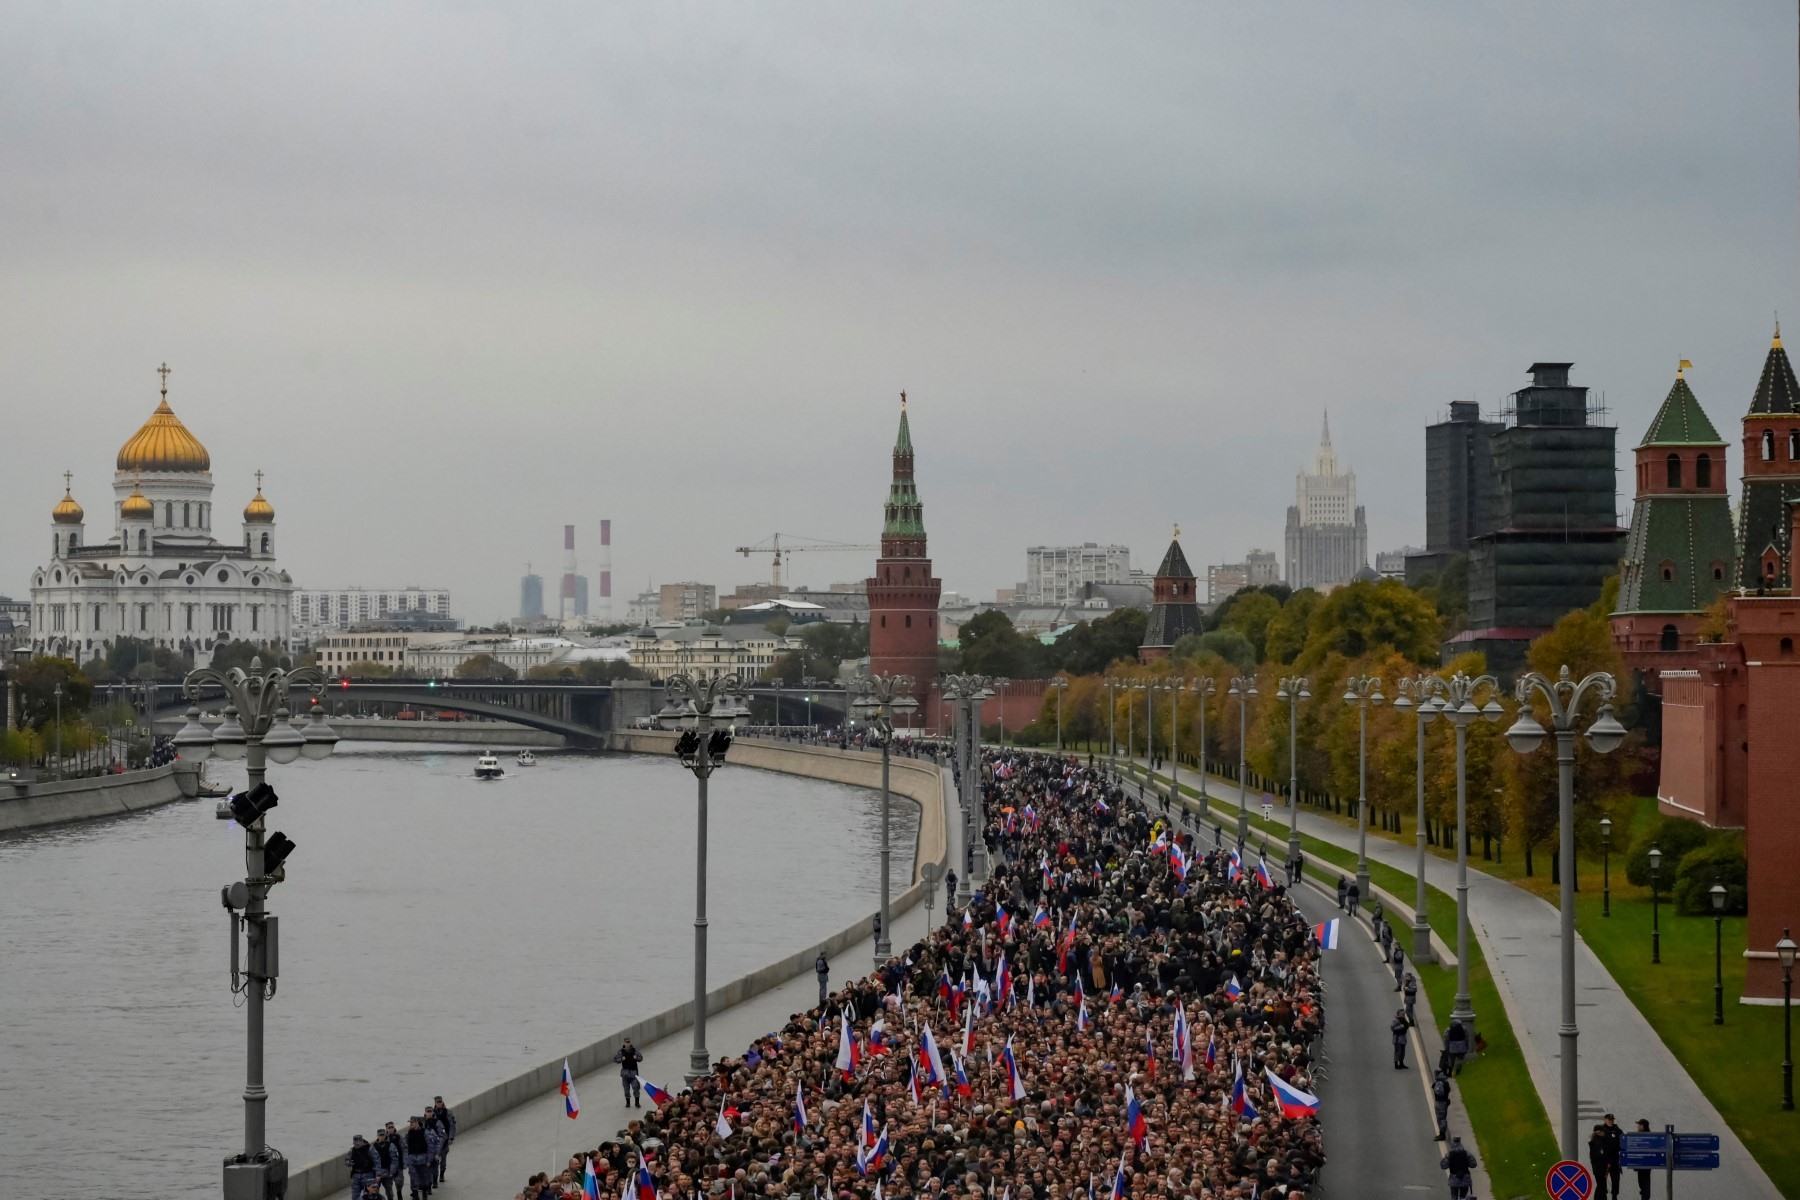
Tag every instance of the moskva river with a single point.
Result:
(438, 934)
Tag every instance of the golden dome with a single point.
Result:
(164, 444)
(67, 512)
(259, 509)
(136, 507)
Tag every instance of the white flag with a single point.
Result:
(723, 1128)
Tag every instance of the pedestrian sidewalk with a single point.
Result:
(1625, 1068)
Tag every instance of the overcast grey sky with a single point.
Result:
(454, 274)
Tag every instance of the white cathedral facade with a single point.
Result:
(159, 575)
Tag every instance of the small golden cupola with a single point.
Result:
(67, 512)
(259, 511)
(164, 443)
(137, 507)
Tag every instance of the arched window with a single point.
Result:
(1703, 470)
(1671, 638)
(187, 514)
(74, 540)
(1787, 647)
(1794, 445)
(265, 543)
(1718, 571)
(143, 541)
(1674, 462)
(1768, 445)
(1668, 571)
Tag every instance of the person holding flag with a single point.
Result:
(1240, 1095)
(571, 1102)
(1136, 1126)
(799, 1108)
(1015, 1086)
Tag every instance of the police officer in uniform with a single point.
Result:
(1398, 1028)
(361, 1161)
(437, 1114)
(1398, 958)
(1459, 1161)
(416, 1146)
(1411, 988)
(1440, 1102)
(389, 1162)
(628, 1058)
(822, 969)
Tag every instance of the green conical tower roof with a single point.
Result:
(905, 516)
(1681, 421)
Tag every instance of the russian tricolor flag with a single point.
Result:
(657, 1095)
(846, 1054)
(1015, 1087)
(1001, 917)
(930, 1059)
(1135, 1124)
(912, 1084)
(1041, 918)
(1240, 1096)
(1327, 934)
(962, 1078)
(1262, 875)
(1291, 1100)
(1212, 1051)
(646, 1182)
(1234, 989)
(590, 1182)
(1081, 1018)
(799, 1107)
(571, 1102)
(1119, 1188)
(1234, 867)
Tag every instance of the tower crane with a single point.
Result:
(777, 550)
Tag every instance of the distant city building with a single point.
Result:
(531, 598)
(686, 601)
(1177, 610)
(160, 576)
(1679, 555)
(1262, 567)
(1554, 535)
(1391, 564)
(708, 651)
(1226, 579)
(16, 617)
(1327, 535)
(1057, 574)
(443, 657)
(315, 610)
(645, 608)
(1005, 596)
(750, 593)
(338, 651)
(581, 596)
(1461, 488)
(844, 607)
(903, 593)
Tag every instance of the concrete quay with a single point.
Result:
(517, 1127)
(27, 803)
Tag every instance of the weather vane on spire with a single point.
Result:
(164, 372)
(903, 400)
(1176, 536)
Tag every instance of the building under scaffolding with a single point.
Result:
(1554, 536)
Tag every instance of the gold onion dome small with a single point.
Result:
(136, 507)
(163, 444)
(67, 512)
(259, 509)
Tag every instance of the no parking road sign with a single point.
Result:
(1569, 1180)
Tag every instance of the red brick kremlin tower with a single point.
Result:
(903, 595)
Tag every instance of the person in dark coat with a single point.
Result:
(1398, 1027)
(1643, 1126)
(390, 1164)
(1615, 1150)
(1456, 1047)
(1459, 1161)
(1353, 896)
(822, 968)
(1343, 891)
(628, 1058)
(1440, 1102)
(1398, 958)
(1597, 1161)
(1411, 989)
(361, 1161)
(416, 1146)
(439, 1113)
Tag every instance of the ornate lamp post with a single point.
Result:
(1293, 689)
(704, 710)
(778, 685)
(1000, 682)
(1243, 687)
(1204, 688)
(1563, 697)
(1716, 893)
(1459, 709)
(1131, 719)
(1606, 866)
(879, 697)
(1655, 896)
(57, 692)
(809, 683)
(1175, 688)
(967, 692)
(1361, 691)
(256, 728)
(1419, 694)
(1785, 951)
(1061, 684)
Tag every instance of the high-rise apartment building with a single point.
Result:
(311, 610)
(531, 597)
(1327, 535)
(1058, 574)
(686, 601)
(1461, 489)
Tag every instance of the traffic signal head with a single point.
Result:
(275, 852)
(246, 807)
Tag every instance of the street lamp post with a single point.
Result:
(1204, 689)
(1131, 721)
(1563, 698)
(1606, 866)
(808, 682)
(1717, 894)
(1655, 896)
(1293, 689)
(778, 687)
(879, 697)
(1001, 683)
(1112, 720)
(57, 691)
(1243, 687)
(693, 705)
(1419, 695)
(1361, 691)
(1061, 684)
(967, 692)
(1175, 688)
(1459, 693)
(256, 728)
(1785, 951)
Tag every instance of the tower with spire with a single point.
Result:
(1771, 475)
(1327, 533)
(1679, 553)
(1177, 609)
(903, 594)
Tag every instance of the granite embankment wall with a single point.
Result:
(467, 733)
(32, 803)
(920, 782)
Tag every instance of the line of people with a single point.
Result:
(418, 1155)
(1117, 1012)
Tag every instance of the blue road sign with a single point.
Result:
(1696, 1152)
(1644, 1152)
(1569, 1180)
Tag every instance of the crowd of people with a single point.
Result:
(1119, 1012)
(416, 1158)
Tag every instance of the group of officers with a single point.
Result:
(420, 1153)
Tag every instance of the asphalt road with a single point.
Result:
(1378, 1125)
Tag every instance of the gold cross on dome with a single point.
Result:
(68, 480)
(259, 483)
(164, 372)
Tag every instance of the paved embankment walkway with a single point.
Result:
(1625, 1068)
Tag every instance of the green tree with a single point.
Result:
(1225, 645)
(368, 669)
(1287, 631)
(485, 666)
(1250, 616)
(37, 682)
(991, 646)
(1361, 617)
(1093, 646)
(835, 642)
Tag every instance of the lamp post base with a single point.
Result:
(699, 1065)
(1293, 845)
(883, 951)
(1362, 885)
(1461, 1010)
(1421, 948)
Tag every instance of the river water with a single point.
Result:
(438, 934)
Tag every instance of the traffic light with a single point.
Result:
(246, 807)
(432, 685)
(275, 852)
(344, 683)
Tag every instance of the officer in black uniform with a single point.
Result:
(628, 1058)
(1440, 1102)
(1398, 1028)
(822, 968)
